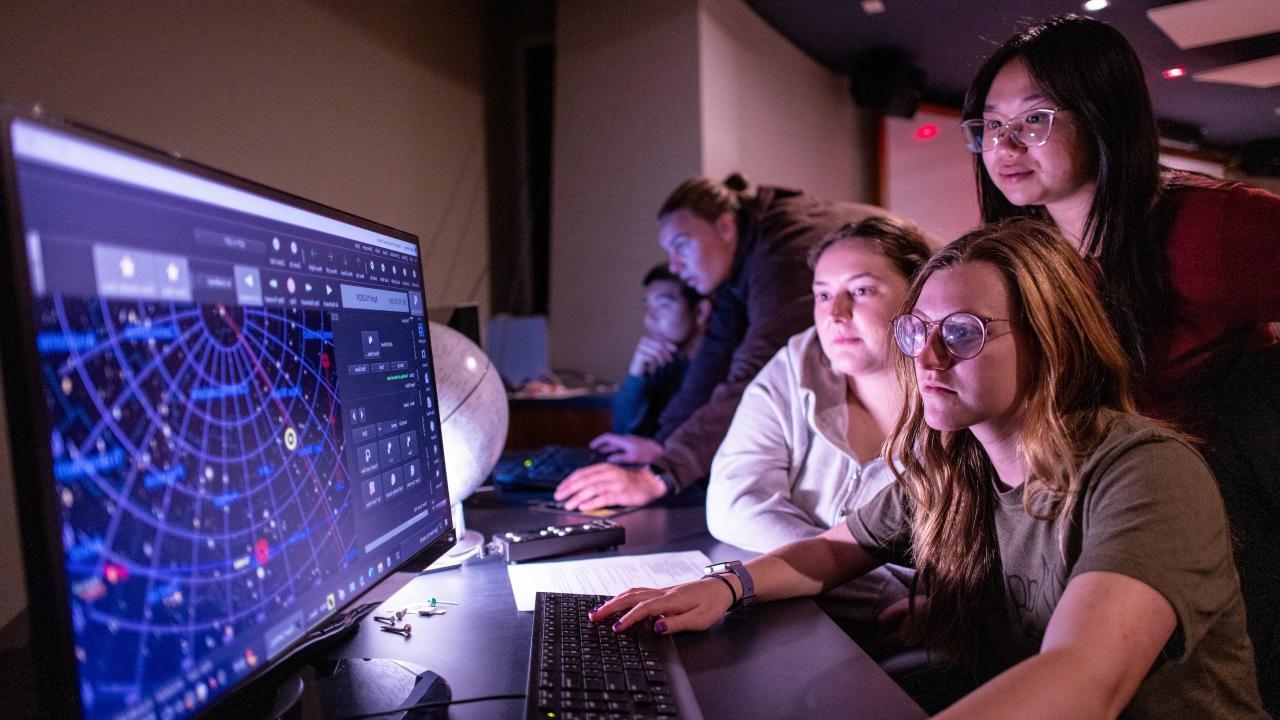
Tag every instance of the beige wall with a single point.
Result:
(772, 112)
(648, 94)
(374, 108)
(930, 180)
(626, 132)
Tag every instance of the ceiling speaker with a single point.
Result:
(886, 81)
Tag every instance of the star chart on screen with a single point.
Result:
(196, 458)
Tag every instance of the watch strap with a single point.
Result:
(744, 579)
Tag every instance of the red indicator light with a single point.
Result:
(927, 132)
(1174, 73)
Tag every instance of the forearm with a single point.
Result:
(809, 567)
(1053, 684)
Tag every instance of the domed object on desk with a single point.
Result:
(473, 409)
(473, 425)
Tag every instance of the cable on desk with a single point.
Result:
(436, 704)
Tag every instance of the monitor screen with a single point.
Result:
(236, 397)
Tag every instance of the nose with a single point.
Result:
(1010, 141)
(841, 306)
(674, 264)
(935, 355)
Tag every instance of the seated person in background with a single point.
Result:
(748, 252)
(675, 316)
(804, 447)
(1077, 554)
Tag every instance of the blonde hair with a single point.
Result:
(1078, 370)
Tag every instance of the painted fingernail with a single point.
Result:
(660, 626)
(617, 627)
(596, 608)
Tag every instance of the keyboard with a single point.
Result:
(543, 468)
(581, 669)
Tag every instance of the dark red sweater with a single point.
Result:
(1224, 268)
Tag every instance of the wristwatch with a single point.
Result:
(744, 578)
(665, 477)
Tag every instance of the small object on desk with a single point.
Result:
(559, 539)
(385, 619)
(432, 611)
(433, 601)
(405, 630)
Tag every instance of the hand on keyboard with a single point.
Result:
(607, 485)
(690, 607)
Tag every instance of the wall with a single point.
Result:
(772, 112)
(929, 178)
(626, 132)
(648, 94)
(373, 108)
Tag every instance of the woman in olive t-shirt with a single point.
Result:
(1077, 554)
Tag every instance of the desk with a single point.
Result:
(775, 660)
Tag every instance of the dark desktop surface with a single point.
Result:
(784, 659)
(775, 660)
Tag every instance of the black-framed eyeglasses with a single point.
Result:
(963, 334)
(1028, 129)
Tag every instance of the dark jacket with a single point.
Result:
(766, 300)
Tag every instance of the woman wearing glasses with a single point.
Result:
(1077, 556)
(1061, 123)
(803, 450)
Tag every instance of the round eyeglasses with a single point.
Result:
(1028, 129)
(963, 334)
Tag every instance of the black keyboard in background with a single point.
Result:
(545, 467)
(580, 669)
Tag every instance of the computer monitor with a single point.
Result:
(223, 411)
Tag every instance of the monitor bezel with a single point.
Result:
(39, 514)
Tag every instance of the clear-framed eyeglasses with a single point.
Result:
(963, 334)
(1028, 129)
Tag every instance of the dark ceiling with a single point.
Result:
(950, 38)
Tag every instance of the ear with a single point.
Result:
(727, 228)
(702, 312)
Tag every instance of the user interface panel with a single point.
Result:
(243, 427)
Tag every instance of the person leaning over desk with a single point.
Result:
(748, 252)
(803, 450)
(1077, 554)
(1060, 122)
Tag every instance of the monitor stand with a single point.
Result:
(351, 686)
(341, 687)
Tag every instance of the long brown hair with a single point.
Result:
(1078, 370)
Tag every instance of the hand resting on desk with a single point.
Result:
(607, 485)
(691, 607)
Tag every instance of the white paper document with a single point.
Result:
(604, 576)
